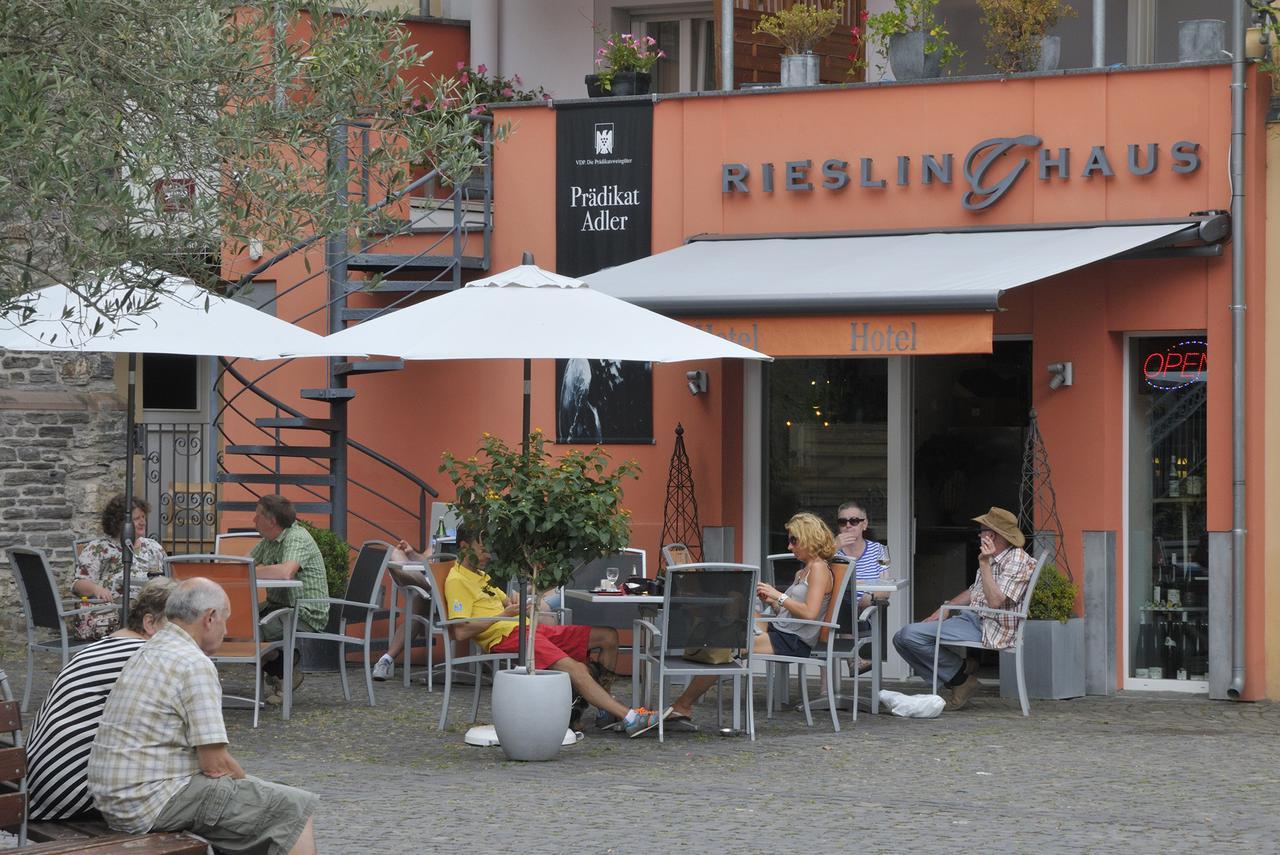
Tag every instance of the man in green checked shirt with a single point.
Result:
(287, 551)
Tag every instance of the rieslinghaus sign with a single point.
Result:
(604, 180)
(989, 169)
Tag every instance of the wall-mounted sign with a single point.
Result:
(604, 180)
(989, 169)
(856, 335)
(1173, 364)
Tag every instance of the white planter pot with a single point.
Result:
(1053, 661)
(800, 69)
(531, 713)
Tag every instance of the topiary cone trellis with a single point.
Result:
(680, 514)
(1037, 492)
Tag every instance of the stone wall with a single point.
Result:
(62, 442)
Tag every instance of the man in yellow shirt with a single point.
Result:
(470, 594)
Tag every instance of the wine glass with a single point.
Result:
(611, 578)
(884, 560)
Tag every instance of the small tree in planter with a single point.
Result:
(539, 518)
(912, 39)
(1016, 33)
(1052, 642)
(800, 28)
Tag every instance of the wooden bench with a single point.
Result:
(73, 836)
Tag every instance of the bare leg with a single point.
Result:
(589, 688)
(698, 686)
(403, 578)
(306, 844)
(605, 638)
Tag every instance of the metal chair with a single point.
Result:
(361, 604)
(236, 543)
(439, 572)
(45, 609)
(79, 545)
(676, 554)
(412, 594)
(630, 562)
(243, 644)
(1015, 648)
(13, 776)
(704, 605)
(823, 655)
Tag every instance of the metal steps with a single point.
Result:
(327, 394)
(295, 423)
(376, 261)
(283, 450)
(325, 480)
(369, 366)
(399, 286)
(300, 507)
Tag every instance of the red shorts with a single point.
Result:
(552, 644)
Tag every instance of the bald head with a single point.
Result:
(200, 607)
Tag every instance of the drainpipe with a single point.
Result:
(1236, 689)
(726, 45)
(484, 35)
(1099, 33)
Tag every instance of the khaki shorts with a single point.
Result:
(245, 815)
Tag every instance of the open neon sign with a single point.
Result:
(1177, 365)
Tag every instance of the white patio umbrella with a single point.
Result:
(188, 320)
(529, 313)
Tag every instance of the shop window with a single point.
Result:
(1168, 585)
(170, 382)
(827, 441)
(689, 45)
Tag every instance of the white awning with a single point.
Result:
(961, 271)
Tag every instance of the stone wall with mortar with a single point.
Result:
(62, 441)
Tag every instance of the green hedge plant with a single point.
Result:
(337, 558)
(1054, 597)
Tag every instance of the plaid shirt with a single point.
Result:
(296, 544)
(167, 702)
(1012, 570)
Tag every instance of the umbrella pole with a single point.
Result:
(126, 530)
(524, 451)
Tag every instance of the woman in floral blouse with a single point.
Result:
(100, 569)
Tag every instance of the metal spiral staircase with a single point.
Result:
(426, 253)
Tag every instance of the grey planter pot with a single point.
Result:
(1050, 53)
(1053, 661)
(908, 60)
(531, 713)
(800, 69)
(1200, 40)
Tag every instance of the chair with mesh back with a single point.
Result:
(236, 543)
(708, 605)
(824, 653)
(44, 609)
(413, 594)
(676, 553)
(630, 562)
(474, 659)
(243, 644)
(361, 604)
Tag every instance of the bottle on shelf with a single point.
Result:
(1157, 584)
(1171, 661)
(1144, 651)
(1173, 585)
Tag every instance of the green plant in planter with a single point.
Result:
(539, 517)
(802, 26)
(625, 52)
(1015, 29)
(906, 16)
(1054, 597)
(337, 558)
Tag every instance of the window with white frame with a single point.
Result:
(686, 34)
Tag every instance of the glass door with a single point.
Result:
(1168, 583)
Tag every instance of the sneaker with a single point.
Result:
(644, 722)
(274, 699)
(960, 694)
(384, 668)
(607, 721)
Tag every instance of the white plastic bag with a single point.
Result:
(912, 706)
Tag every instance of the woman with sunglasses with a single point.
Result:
(866, 555)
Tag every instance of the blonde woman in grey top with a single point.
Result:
(807, 599)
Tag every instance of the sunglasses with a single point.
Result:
(792, 540)
(851, 520)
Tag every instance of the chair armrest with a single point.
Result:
(982, 610)
(278, 614)
(100, 608)
(416, 590)
(494, 619)
(330, 601)
(776, 618)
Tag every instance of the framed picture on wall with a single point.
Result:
(604, 401)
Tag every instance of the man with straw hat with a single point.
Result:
(1004, 569)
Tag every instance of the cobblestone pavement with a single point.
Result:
(1131, 773)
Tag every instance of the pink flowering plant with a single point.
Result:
(496, 89)
(626, 52)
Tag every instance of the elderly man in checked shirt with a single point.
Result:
(287, 551)
(160, 762)
(1004, 570)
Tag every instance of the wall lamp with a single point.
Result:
(1061, 372)
(697, 382)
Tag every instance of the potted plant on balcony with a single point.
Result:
(1052, 642)
(1017, 34)
(800, 28)
(539, 519)
(624, 61)
(916, 44)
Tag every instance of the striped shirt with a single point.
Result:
(867, 566)
(296, 544)
(64, 729)
(167, 703)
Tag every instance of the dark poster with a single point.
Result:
(604, 182)
(604, 401)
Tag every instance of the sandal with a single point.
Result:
(863, 666)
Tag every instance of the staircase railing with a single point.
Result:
(337, 259)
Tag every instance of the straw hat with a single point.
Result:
(1004, 524)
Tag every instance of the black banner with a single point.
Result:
(604, 184)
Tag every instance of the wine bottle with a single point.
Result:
(1179, 636)
(1157, 584)
(1172, 585)
(1171, 661)
(1142, 654)
(1156, 670)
